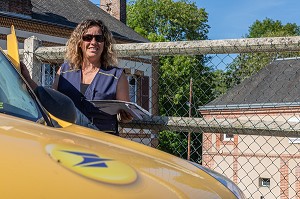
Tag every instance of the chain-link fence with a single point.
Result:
(231, 105)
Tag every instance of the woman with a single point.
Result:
(90, 74)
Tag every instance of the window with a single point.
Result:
(132, 88)
(139, 90)
(264, 182)
(228, 137)
(291, 139)
(48, 75)
(15, 98)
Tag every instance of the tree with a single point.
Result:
(247, 64)
(167, 20)
(174, 94)
(271, 28)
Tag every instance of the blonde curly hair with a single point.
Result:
(74, 53)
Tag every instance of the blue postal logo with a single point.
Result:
(92, 165)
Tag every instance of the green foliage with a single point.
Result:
(271, 28)
(175, 79)
(219, 83)
(168, 20)
(247, 64)
(174, 20)
(176, 144)
(173, 143)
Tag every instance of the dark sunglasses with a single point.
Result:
(88, 37)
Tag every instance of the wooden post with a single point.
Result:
(190, 115)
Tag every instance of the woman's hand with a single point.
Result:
(124, 117)
(24, 71)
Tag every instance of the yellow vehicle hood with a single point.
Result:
(75, 162)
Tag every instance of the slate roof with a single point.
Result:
(275, 85)
(69, 13)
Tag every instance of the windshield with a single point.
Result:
(15, 98)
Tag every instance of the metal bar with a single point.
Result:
(223, 126)
(197, 47)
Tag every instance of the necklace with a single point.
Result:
(92, 70)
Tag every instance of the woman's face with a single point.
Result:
(92, 44)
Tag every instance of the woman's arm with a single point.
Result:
(123, 94)
(55, 83)
(26, 75)
(123, 89)
(32, 84)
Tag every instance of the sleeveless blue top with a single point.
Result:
(103, 87)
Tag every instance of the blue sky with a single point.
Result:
(230, 19)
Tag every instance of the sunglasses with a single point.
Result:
(88, 38)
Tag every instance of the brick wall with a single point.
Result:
(284, 178)
(116, 8)
(297, 182)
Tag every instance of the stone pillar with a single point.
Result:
(33, 64)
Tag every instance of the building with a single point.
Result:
(264, 166)
(53, 21)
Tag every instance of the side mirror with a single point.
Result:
(56, 103)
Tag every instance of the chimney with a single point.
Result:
(20, 7)
(116, 8)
